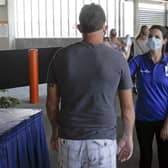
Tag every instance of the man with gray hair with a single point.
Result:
(83, 80)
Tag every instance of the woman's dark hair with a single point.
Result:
(143, 27)
(91, 18)
(162, 29)
(166, 44)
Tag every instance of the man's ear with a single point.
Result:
(79, 27)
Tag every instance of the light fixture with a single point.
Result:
(161, 1)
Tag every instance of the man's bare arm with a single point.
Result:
(128, 117)
(52, 105)
(127, 110)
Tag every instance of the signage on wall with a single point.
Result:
(2, 2)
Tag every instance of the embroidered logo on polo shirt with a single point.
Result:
(166, 70)
(145, 71)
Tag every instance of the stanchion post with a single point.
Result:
(33, 75)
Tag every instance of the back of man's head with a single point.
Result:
(91, 18)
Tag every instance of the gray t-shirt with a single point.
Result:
(88, 77)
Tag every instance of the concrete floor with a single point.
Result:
(22, 93)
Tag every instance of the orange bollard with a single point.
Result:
(33, 75)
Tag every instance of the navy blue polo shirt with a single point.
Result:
(152, 86)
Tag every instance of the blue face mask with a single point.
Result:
(154, 43)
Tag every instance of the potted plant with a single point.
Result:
(8, 101)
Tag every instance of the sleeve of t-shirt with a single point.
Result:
(125, 80)
(134, 64)
(51, 74)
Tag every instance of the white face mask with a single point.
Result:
(154, 43)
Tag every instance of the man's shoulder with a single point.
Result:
(68, 47)
(81, 46)
(73, 46)
(89, 47)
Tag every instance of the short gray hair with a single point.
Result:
(91, 18)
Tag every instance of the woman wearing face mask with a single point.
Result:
(151, 71)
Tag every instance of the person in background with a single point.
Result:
(114, 42)
(83, 80)
(126, 48)
(151, 109)
(139, 46)
(121, 45)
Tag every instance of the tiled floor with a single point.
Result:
(22, 93)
